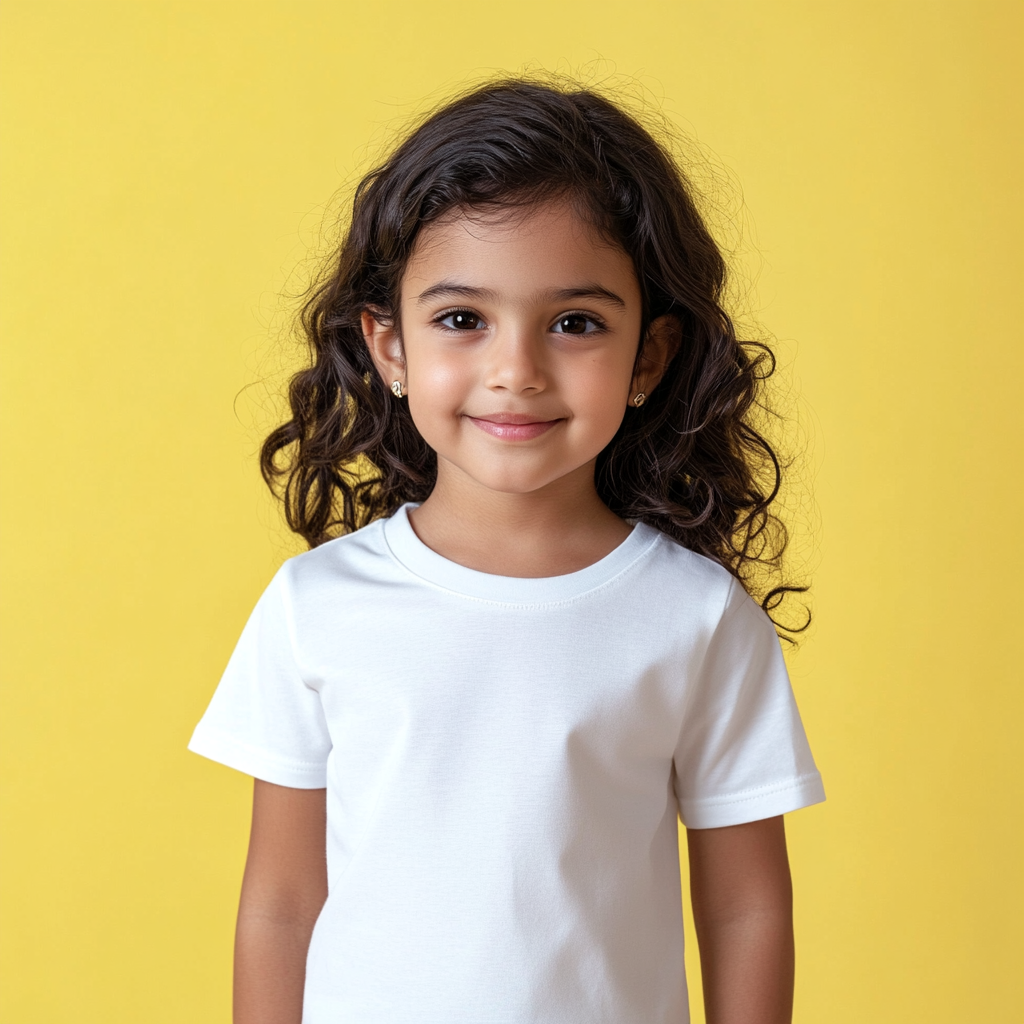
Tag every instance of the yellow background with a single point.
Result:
(165, 167)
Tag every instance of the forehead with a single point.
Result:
(515, 250)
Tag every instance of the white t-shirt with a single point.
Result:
(504, 762)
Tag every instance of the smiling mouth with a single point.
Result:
(512, 426)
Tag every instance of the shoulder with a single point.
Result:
(677, 572)
(362, 555)
(698, 582)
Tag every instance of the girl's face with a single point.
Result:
(518, 339)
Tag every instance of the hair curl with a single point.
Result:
(689, 462)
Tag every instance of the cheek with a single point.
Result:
(438, 380)
(600, 388)
(437, 386)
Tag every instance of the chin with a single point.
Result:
(511, 482)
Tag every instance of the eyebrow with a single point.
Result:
(465, 291)
(590, 291)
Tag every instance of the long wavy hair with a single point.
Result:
(690, 462)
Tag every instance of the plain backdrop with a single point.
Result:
(166, 167)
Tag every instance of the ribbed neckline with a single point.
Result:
(426, 563)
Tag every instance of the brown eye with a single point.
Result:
(461, 320)
(575, 323)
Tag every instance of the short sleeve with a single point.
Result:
(742, 753)
(263, 719)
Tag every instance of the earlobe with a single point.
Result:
(384, 345)
(661, 343)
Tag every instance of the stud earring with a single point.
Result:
(640, 399)
(396, 389)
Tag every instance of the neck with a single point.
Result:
(560, 528)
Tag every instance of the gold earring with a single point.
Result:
(640, 399)
(396, 389)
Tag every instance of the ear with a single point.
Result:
(661, 343)
(385, 346)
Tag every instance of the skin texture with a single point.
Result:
(530, 315)
(283, 891)
(743, 910)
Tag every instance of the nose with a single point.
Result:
(515, 361)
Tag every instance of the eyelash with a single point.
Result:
(599, 325)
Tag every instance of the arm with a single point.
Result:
(283, 890)
(743, 911)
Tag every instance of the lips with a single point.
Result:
(510, 426)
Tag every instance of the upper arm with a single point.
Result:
(740, 869)
(286, 868)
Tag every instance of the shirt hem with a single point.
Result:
(755, 805)
(259, 764)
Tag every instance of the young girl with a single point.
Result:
(474, 716)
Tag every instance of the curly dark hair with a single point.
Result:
(689, 462)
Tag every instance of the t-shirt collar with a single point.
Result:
(424, 562)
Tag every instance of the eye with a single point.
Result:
(460, 320)
(577, 323)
